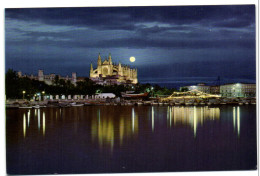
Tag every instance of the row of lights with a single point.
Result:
(37, 94)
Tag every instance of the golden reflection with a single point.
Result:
(234, 118)
(195, 121)
(238, 121)
(133, 119)
(152, 118)
(28, 116)
(109, 129)
(39, 119)
(43, 123)
(193, 117)
(24, 125)
(121, 130)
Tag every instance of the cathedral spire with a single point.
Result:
(110, 59)
(120, 71)
(91, 67)
(99, 60)
(119, 67)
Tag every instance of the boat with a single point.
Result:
(154, 103)
(74, 105)
(188, 104)
(130, 95)
(36, 106)
(138, 103)
(12, 105)
(147, 103)
(25, 107)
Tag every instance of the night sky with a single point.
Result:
(170, 43)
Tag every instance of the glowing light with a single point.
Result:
(43, 123)
(28, 116)
(195, 121)
(190, 94)
(234, 118)
(132, 59)
(238, 121)
(39, 119)
(24, 125)
(133, 119)
(152, 118)
(170, 116)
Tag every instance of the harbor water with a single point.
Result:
(116, 139)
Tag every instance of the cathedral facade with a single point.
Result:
(108, 73)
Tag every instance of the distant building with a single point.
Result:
(238, 90)
(49, 79)
(200, 87)
(106, 95)
(227, 90)
(108, 73)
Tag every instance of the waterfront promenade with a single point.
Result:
(153, 101)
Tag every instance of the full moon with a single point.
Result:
(132, 59)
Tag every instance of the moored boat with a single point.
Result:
(77, 105)
(130, 95)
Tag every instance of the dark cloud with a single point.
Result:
(141, 43)
(236, 23)
(125, 17)
(61, 38)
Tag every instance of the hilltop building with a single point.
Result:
(49, 79)
(108, 73)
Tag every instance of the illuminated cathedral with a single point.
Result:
(108, 73)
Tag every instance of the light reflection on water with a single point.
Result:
(192, 116)
(24, 125)
(106, 129)
(112, 134)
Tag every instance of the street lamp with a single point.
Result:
(43, 92)
(152, 91)
(98, 91)
(23, 93)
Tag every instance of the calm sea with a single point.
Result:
(109, 139)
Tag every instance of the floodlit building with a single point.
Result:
(49, 79)
(106, 95)
(108, 73)
(200, 87)
(238, 90)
